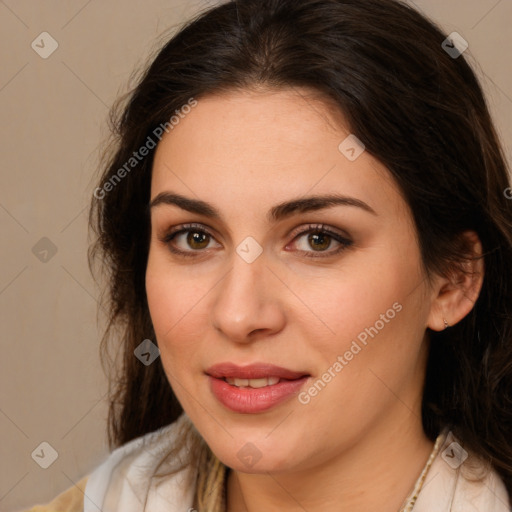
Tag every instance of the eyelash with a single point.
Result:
(311, 228)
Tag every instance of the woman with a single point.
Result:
(306, 231)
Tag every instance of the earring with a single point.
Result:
(446, 325)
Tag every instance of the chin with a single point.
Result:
(249, 459)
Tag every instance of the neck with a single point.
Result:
(377, 473)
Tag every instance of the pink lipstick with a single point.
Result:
(254, 388)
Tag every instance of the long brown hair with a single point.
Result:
(418, 110)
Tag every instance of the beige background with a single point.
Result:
(53, 115)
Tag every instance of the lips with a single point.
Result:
(254, 388)
(253, 371)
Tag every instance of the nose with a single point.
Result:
(247, 304)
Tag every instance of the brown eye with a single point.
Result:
(188, 240)
(319, 239)
(199, 238)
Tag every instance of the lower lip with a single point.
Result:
(254, 400)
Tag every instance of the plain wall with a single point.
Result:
(54, 112)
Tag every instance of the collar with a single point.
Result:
(125, 483)
(454, 480)
(451, 481)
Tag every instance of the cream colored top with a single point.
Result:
(121, 484)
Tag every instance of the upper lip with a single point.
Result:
(252, 371)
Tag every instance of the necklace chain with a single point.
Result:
(413, 496)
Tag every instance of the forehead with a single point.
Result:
(257, 147)
(278, 126)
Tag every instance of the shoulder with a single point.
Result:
(135, 468)
(126, 470)
(71, 500)
(459, 481)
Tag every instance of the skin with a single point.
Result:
(358, 445)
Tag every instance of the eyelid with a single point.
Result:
(183, 228)
(203, 228)
(342, 238)
(168, 236)
(303, 229)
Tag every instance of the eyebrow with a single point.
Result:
(276, 213)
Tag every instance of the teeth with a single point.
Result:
(252, 383)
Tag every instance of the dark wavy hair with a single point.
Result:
(418, 110)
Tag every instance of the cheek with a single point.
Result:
(371, 316)
(343, 304)
(376, 352)
(175, 304)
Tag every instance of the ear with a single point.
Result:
(454, 296)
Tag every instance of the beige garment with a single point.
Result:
(71, 500)
(458, 481)
(454, 482)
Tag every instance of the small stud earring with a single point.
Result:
(446, 325)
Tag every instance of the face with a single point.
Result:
(264, 275)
